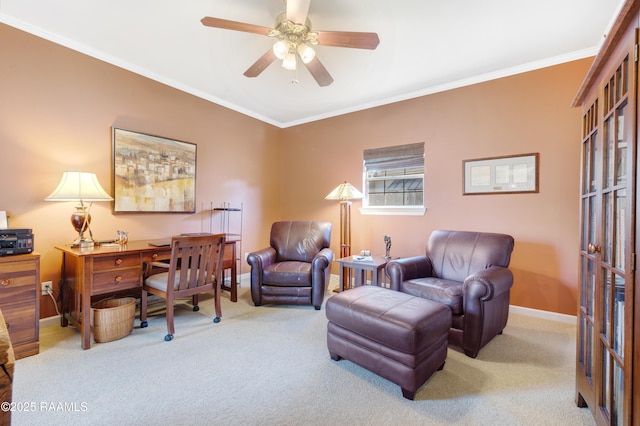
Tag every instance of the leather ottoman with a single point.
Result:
(400, 337)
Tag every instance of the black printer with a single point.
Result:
(15, 241)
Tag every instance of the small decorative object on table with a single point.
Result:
(387, 243)
(122, 237)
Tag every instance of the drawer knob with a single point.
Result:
(5, 282)
(118, 262)
(118, 278)
(154, 256)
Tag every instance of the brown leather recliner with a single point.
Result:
(467, 271)
(294, 269)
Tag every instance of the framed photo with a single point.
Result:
(501, 175)
(152, 174)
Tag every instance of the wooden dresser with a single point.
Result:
(20, 301)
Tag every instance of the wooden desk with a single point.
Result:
(359, 270)
(90, 274)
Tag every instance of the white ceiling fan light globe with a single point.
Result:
(289, 62)
(280, 49)
(306, 53)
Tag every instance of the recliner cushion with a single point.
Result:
(299, 240)
(439, 290)
(288, 274)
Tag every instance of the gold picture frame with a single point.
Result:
(508, 174)
(152, 174)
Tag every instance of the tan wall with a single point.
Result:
(57, 108)
(521, 114)
(56, 111)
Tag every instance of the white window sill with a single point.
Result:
(393, 211)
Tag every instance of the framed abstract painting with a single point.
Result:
(152, 174)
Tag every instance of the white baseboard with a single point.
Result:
(49, 321)
(536, 313)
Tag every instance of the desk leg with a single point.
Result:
(342, 268)
(86, 321)
(234, 280)
(64, 295)
(233, 269)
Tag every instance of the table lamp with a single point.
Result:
(81, 187)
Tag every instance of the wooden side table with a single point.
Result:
(361, 270)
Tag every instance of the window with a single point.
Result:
(394, 180)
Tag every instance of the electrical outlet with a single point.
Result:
(47, 286)
(246, 255)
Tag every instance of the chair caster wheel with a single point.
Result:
(144, 324)
(196, 308)
(168, 337)
(216, 320)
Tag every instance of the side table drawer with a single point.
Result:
(116, 280)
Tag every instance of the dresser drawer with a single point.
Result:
(20, 319)
(118, 261)
(17, 286)
(20, 301)
(116, 280)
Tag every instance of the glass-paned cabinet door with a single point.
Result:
(588, 269)
(610, 245)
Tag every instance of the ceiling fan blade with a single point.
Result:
(234, 25)
(261, 64)
(355, 40)
(297, 10)
(319, 72)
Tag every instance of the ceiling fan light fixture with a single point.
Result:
(280, 49)
(289, 62)
(306, 53)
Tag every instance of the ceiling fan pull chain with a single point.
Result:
(295, 79)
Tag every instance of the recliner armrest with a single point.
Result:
(261, 258)
(322, 259)
(408, 268)
(488, 283)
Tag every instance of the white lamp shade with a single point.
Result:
(306, 53)
(344, 191)
(280, 49)
(79, 186)
(289, 62)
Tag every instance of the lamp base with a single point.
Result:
(80, 219)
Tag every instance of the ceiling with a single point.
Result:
(426, 46)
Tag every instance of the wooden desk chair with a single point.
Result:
(195, 267)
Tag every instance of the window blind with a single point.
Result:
(394, 157)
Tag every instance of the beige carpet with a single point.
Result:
(270, 366)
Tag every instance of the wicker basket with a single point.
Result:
(112, 319)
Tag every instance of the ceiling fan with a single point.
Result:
(295, 38)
